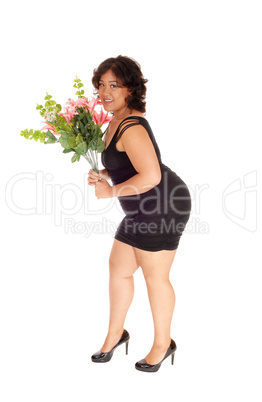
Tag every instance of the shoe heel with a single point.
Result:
(127, 342)
(172, 358)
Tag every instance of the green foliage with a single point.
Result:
(50, 106)
(81, 148)
(75, 157)
(78, 84)
(66, 139)
(34, 134)
(62, 124)
(51, 137)
(67, 150)
(81, 135)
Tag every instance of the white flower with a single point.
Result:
(50, 117)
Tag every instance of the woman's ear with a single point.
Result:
(129, 94)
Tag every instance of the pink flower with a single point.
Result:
(70, 112)
(82, 102)
(48, 127)
(101, 118)
(71, 102)
(92, 103)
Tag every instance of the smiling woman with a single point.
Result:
(111, 93)
(156, 202)
(125, 73)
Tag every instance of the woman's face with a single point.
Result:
(112, 94)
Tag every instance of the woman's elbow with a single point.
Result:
(155, 179)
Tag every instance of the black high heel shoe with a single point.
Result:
(103, 357)
(142, 365)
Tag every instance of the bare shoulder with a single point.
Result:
(130, 131)
(135, 133)
(134, 138)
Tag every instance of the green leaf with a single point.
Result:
(82, 128)
(48, 96)
(75, 157)
(64, 132)
(71, 141)
(42, 137)
(65, 138)
(79, 139)
(63, 141)
(36, 135)
(67, 150)
(75, 130)
(51, 137)
(100, 145)
(50, 103)
(25, 133)
(81, 148)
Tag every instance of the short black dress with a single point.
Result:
(156, 219)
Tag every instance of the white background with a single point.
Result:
(203, 61)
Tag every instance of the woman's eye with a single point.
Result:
(113, 86)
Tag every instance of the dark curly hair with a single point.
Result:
(128, 71)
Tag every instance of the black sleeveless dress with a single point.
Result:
(156, 219)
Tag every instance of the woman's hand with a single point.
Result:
(93, 176)
(103, 189)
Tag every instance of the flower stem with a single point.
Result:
(90, 158)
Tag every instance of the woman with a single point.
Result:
(155, 200)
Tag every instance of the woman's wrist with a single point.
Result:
(105, 174)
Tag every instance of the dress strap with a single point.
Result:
(125, 124)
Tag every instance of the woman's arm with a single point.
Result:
(104, 173)
(140, 150)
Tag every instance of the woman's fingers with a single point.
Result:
(93, 173)
(93, 177)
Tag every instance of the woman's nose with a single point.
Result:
(106, 90)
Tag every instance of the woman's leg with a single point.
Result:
(156, 267)
(122, 266)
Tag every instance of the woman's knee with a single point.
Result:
(123, 269)
(154, 277)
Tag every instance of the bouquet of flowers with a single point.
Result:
(77, 128)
